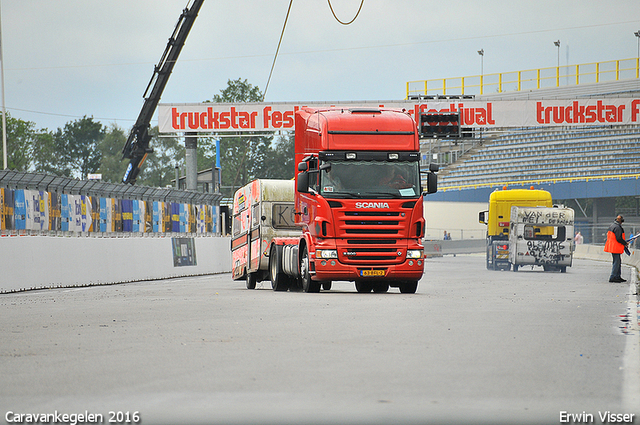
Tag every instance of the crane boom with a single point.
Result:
(137, 146)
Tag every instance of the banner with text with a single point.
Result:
(233, 117)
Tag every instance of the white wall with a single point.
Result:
(458, 218)
(33, 262)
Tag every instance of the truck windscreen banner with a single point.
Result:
(234, 117)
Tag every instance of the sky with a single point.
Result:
(65, 59)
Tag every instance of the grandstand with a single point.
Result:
(535, 154)
(471, 168)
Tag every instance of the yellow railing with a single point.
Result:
(539, 181)
(531, 79)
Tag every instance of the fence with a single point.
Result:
(568, 75)
(42, 204)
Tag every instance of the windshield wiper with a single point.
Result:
(340, 195)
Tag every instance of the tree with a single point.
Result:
(239, 91)
(112, 167)
(243, 157)
(159, 167)
(21, 136)
(47, 156)
(72, 151)
(81, 138)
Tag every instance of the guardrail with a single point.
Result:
(42, 204)
(531, 79)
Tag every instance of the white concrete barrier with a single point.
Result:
(38, 262)
(596, 252)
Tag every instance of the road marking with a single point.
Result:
(631, 360)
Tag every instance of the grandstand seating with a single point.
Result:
(531, 154)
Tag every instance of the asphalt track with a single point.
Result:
(471, 346)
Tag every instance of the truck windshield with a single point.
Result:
(370, 179)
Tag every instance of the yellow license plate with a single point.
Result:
(371, 273)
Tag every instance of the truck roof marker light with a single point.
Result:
(393, 156)
(350, 155)
(504, 187)
(531, 188)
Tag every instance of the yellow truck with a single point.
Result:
(498, 218)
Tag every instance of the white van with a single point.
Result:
(541, 236)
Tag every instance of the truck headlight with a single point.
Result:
(326, 253)
(415, 253)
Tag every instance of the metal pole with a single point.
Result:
(481, 53)
(4, 110)
(191, 160)
(637, 34)
(557, 44)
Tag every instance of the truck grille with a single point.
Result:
(371, 237)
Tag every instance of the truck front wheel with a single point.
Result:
(409, 287)
(308, 285)
(279, 280)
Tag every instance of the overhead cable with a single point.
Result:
(264, 95)
(351, 21)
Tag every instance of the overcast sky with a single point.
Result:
(64, 59)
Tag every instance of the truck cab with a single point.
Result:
(498, 220)
(359, 199)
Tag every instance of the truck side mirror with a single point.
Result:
(482, 217)
(303, 181)
(303, 166)
(432, 183)
(434, 168)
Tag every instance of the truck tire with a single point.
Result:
(326, 286)
(279, 280)
(252, 279)
(364, 287)
(308, 285)
(409, 287)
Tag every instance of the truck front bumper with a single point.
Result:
(325, 270)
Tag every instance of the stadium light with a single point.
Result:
(557, 44)
(637, 34)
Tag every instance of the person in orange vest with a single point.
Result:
(616, 244)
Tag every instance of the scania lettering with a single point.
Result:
(372, 205)
(358, 203)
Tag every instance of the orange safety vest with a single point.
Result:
(612, 245)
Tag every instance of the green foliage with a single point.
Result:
(72, 151)
(21, 137)
(80, 139)
(159, 167)
(245, 158)
(112, 167)
(238, 91)
(86, 146)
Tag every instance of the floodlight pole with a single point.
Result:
(4, 110)
(637, 34)
(481, 53)
(557, 44)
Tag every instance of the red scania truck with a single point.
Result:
(358, 201)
